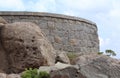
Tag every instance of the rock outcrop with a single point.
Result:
(57, 66)
(68, 72)
(26, 46)
(87, 66)
(61, 70)
(98, 66)
(3, 75)
(3, 59)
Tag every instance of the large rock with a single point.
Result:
(61, 70)
(98, 66)
(68, 72)
(3, 59)
(57, 66)
(61, 56)
(26, 46)
(3, 75)
(87, 66)
(13, 76)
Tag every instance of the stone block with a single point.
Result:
(51, 25)
(73, 41)
(58, 39)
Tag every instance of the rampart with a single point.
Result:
(66, 33)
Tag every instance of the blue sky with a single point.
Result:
(105, 13)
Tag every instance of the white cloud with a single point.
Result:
(41, 5)
(69, 12)
(114, 12)
(104, 42)
(85, 4)
(30, 5)
(12, 5)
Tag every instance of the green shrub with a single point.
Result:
(110, 52)
(43, 74)
(30, 73)
(33, 73)
(100, 53)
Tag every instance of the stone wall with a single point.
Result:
(67, 33)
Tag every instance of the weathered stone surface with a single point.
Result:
(3, 75)
(13, 76)
(99, 66)
(26, 46)
(64, 32)
(2, 21)
(57, 39)
(87, 66)
(68, 72)
(85, 59)
(57, 66)
(61, 70)
(3, 59)
(61, 56)
(73, 42)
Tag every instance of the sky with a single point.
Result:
(105, 13)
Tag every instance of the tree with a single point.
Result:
(110, 52)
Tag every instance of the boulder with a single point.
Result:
(61, 56)
(3, 75)
(98, 66)
(26, 46)
(57, 66)
(61, 70)
(84, 59)
(13, 76)
(89, 66)
(3, 59)
(68, 72)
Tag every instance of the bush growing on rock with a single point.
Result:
(33, 73)
(108, 52)
(100, 53)
(43, 74)
(30, 73)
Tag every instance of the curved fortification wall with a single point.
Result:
(66, 33)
